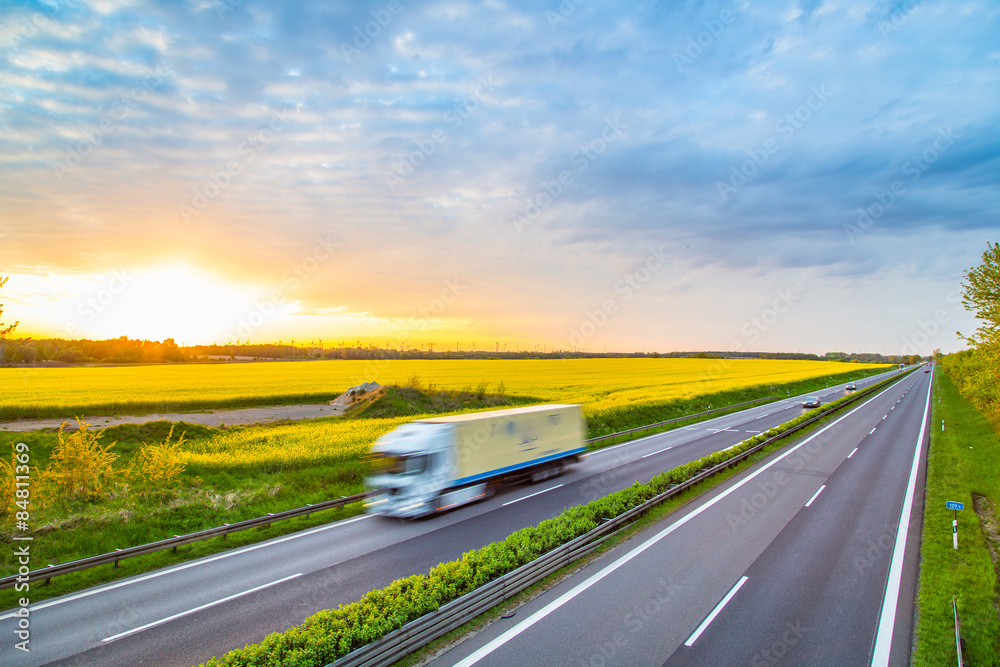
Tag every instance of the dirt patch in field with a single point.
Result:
(986, 510)
(987, 513)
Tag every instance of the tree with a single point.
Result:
(4, 332)
(982, 296)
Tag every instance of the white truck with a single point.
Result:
(435, 464)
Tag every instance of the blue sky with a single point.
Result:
(733, 175)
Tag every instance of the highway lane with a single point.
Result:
(187, 613)
(786, 563)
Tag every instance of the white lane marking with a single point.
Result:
(196, 609)
(659, 451)
(689, 428)
(751, 431)
(883, 418)
(815, 495)
(852, 452)
(566, 597)
(762, 416)
(210, 559)
(872, 431)
(715, 612)
(532, 495)
(887, 619)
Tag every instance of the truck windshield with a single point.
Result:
(392, 464)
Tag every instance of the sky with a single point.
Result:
(740, 175)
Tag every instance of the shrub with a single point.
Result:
(79, 467)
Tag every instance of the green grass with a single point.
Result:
(964, 460)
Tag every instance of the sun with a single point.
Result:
(175, 301)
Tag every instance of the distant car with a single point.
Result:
(851, 387)
(927, 370)
(811, 402)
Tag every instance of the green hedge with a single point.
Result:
(333, 633)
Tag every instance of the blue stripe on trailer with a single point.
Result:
(519, 466)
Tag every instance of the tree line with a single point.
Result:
(976, 371)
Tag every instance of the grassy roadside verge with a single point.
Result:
(963, 462)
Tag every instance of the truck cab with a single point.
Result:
(411, 465)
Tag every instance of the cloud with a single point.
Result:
(237, 134)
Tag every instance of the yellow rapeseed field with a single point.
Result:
(67, 392)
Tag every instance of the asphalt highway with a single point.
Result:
(809, 557)
(185, 614)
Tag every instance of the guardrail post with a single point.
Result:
(48, 579)
(269, 523)
(116, 560)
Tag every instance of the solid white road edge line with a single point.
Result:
(195, 610)
(483, 651)
(815, 495)
(715, 612)
(887, 619)
(536, 493)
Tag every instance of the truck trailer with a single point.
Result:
(430, 465)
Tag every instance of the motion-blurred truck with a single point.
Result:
(430, 465)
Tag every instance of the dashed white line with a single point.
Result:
(818, 491)
(852, 452)
(872, 431)
(196, 609)
(531, 495)
(715, 612)
(762, 416)
(659, 451)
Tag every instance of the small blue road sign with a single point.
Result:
(952, 505)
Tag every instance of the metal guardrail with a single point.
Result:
(174, 542)
(418, 633)
(649, 427)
